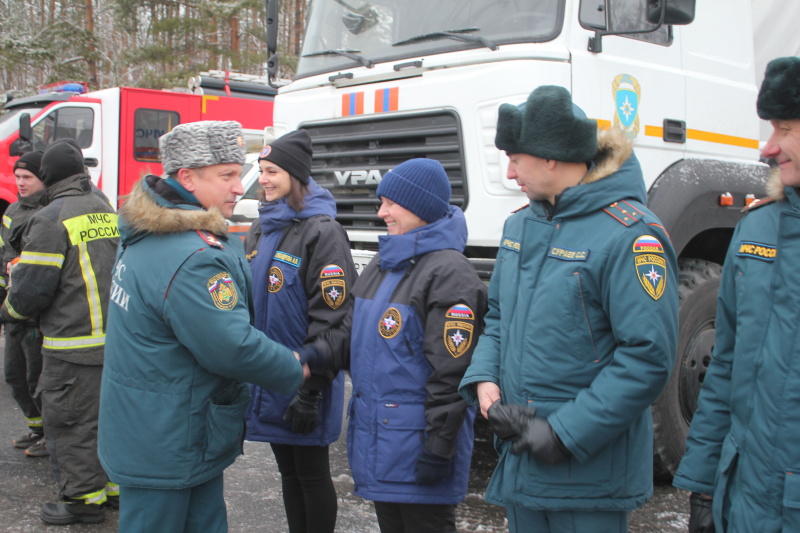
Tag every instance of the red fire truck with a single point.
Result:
(118, 128)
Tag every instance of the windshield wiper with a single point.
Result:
(459, 35)
(349, 54)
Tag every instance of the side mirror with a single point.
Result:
(25, 130)
(642, 16)
(676, 12)
(593, 15)
(23, 144)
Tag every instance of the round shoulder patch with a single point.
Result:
(274, 279)
(390, 323)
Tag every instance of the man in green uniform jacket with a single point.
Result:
(742, 445)
(582, 325)
(181, 341)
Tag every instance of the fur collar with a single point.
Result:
(774, 186)
(613, 149)
(144, 215)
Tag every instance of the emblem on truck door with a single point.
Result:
(627, 94)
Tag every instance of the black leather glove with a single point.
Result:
(303, 411)
(508, 421)
(431, 468)
(541, 441)
(701, 519)
(529, 433)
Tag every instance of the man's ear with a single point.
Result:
(186, 177)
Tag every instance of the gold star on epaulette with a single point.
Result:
(624, 213)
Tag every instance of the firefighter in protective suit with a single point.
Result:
(64, 276)
(23, 349)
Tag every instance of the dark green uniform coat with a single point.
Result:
(180, 346)
(582, 326)
(743, 443)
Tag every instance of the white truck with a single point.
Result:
(382, 81)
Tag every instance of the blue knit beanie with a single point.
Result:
(419, 185)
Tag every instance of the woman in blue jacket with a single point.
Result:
(302, 273)
(419, 306)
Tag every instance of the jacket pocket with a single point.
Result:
(271, 407)
(791, 502)
(582, 478)
(728, 458)
(225, 421)
(581, 315)
(400, 436)
(59, 399)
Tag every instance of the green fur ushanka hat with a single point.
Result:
(779, 97)
(549, 126)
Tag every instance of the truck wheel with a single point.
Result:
(698, 284)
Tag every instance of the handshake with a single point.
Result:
(529, 433)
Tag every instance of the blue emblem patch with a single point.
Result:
(627, 93)
(510, 244)
(289, 259)
(757, 250)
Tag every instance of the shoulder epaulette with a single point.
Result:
(755, 204)
(210, 239)
(624, 213)
(520, 208)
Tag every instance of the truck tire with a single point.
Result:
(698, 284)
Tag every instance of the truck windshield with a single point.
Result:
(9, 121)
(345, 34)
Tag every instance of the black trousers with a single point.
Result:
(22, 366)
(415, 517)
(70, 405)
(308, 492)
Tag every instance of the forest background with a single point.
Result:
(153, 44)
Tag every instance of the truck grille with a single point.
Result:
(351, 155)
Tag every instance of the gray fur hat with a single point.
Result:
(202, 144)
(547, 125)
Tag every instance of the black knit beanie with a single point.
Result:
(779, 97)
(32, 162)
(291, 152)
(60, 161)
(548, 125)
(419, 185)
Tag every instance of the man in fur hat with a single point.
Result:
(742, 459)
(582, 325)
(181, 342)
